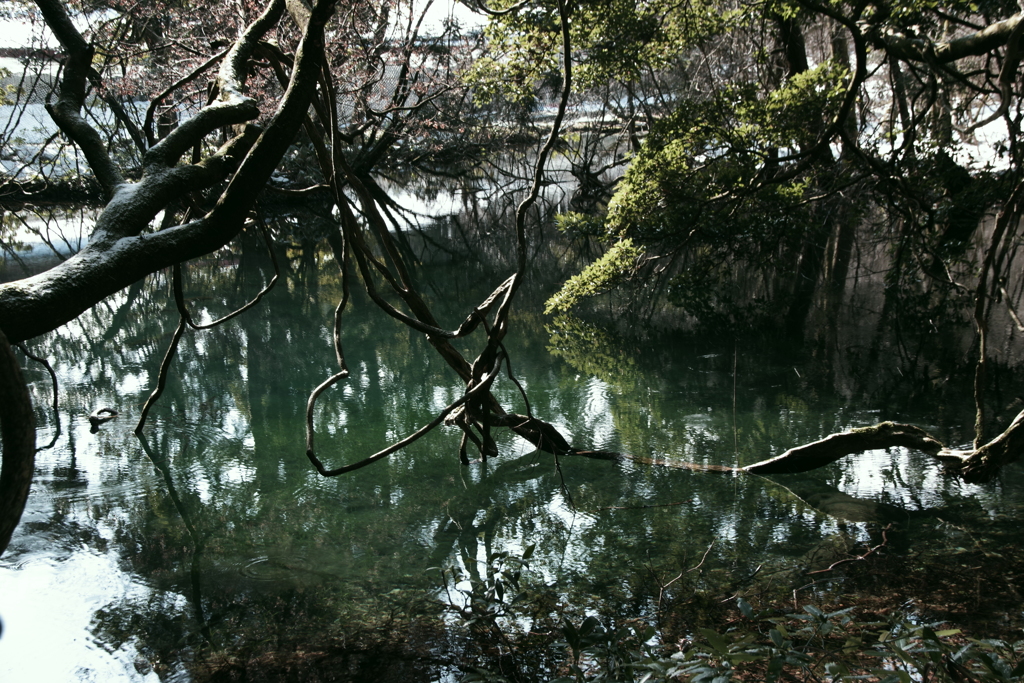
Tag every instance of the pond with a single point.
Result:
(211, 533)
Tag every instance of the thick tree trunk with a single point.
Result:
(17, 426)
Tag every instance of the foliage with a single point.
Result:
(486, 598)
(694, 190)
(617, 263)
(613, 40)
(7, 92)
(690, 177)
(813, 645)
(774, 136)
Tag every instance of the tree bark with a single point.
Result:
(975, 466)
(120, 252)
(922, 50)
(984, 463)
(17, 427)
(831, 448)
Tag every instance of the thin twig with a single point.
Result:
(53, 381)
(885, 541)
(1009, 306)
(479, 388)
(645, 507)
(701, 563)
(162, 377)
(179, 296)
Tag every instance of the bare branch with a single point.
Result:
(233, 107)
(66, 113)
(479, 390)
(54, 388)
(179, 296)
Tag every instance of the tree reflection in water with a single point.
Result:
(138, 557)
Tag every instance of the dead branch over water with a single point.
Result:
(974, 466)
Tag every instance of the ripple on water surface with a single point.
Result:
(275, 567)
(48, 606)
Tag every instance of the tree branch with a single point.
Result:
(920, 50)
(118, 254)
(66, 113)
(831, 448)
(233, 106)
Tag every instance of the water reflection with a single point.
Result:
(214, 534)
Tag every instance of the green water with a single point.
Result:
(214, 533)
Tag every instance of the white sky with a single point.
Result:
(19, 34)
(15, 34)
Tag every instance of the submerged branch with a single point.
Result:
(858, 558)
(831, 448)
(476, 391)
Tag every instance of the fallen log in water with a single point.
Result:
(974, 466)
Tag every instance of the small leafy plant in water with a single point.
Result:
(812, 646)
(484, 601)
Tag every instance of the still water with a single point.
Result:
(213, 533)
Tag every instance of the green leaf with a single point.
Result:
(812, 610)
(836, 670)
(644, 632)
(589, 625)
(572, 636)
(715, 639)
